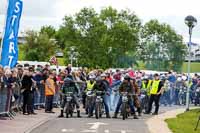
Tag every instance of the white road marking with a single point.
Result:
(96, 125)
(68, 130)
(125, 131)
(89, 131)
(106, 131)
(64, 130)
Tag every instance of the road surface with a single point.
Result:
(92, 125)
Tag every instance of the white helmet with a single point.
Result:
(179, 79)
(103, 75)
(92, 76)
(184, 78)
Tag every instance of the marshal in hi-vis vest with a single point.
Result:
(90, 86)
(155, 86)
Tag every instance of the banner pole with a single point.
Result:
(4, 29)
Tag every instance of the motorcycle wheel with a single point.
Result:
(124, 114)
(67, 110)
(97, 110)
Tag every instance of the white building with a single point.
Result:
(195, 52)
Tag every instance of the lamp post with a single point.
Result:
(71, 53)
(190, 21)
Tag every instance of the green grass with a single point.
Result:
(184, 123)
(61, 61)
(195, 67)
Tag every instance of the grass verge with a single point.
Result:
(184, 123)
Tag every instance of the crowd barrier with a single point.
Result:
(6, 102)
(39, 96)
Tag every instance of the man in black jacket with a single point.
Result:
(102, 85)
(27, 94)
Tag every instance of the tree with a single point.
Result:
(39, 46)
(102, 40)
(161, 48)
(49, 30)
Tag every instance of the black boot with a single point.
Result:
(139, 111)
(78, 114)
(115, 115)
(61, 114)
(135, 116)
(108, 115)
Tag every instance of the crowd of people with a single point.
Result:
(30, 88)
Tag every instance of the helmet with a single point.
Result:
(145, 77)
(162, 78)
(92, 76)
(179, 79)
(70, 77)
(127, 77)
(103, 75)
(184, 78)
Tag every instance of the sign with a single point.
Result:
(9, 46)
(53, 60)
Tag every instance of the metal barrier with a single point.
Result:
(39, 96)
(5, 101)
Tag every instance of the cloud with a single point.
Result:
(50, 12)
(45, 8)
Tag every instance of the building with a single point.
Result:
(195, 52)
(21, 37)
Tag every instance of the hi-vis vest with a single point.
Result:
(90, 86)
(146, 86)
(155, 86)
(49, 91)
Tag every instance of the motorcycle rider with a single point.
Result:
(70, 86)
(146, 83)
(102, 85)
(126, 86)
(136, 100)
(89, 88)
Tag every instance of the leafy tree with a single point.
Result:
(49, 30)
(39, 46)
(161, 48)
(102, 40)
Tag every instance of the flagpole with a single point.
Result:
(4, 29)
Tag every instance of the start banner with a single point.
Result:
(9, 46)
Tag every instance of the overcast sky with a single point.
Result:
(37, 13)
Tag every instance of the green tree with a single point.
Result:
(39, 46)
(102, 40)
(161, 48)
(49, 30)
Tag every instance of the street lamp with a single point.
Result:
(190, 21)
(72, 48)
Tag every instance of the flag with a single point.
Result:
(9, 46)
(53, 60)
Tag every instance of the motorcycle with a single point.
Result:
(69, 105)
(99, 105)
(89, 101)
(144, 99)
(125, 107)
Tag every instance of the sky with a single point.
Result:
(37, 13)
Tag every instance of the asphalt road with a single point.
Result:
(92, 125)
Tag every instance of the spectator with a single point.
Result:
(49, 93)
(26, 90)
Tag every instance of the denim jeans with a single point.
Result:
(130, 103)
(108, 99)
(105, 105)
